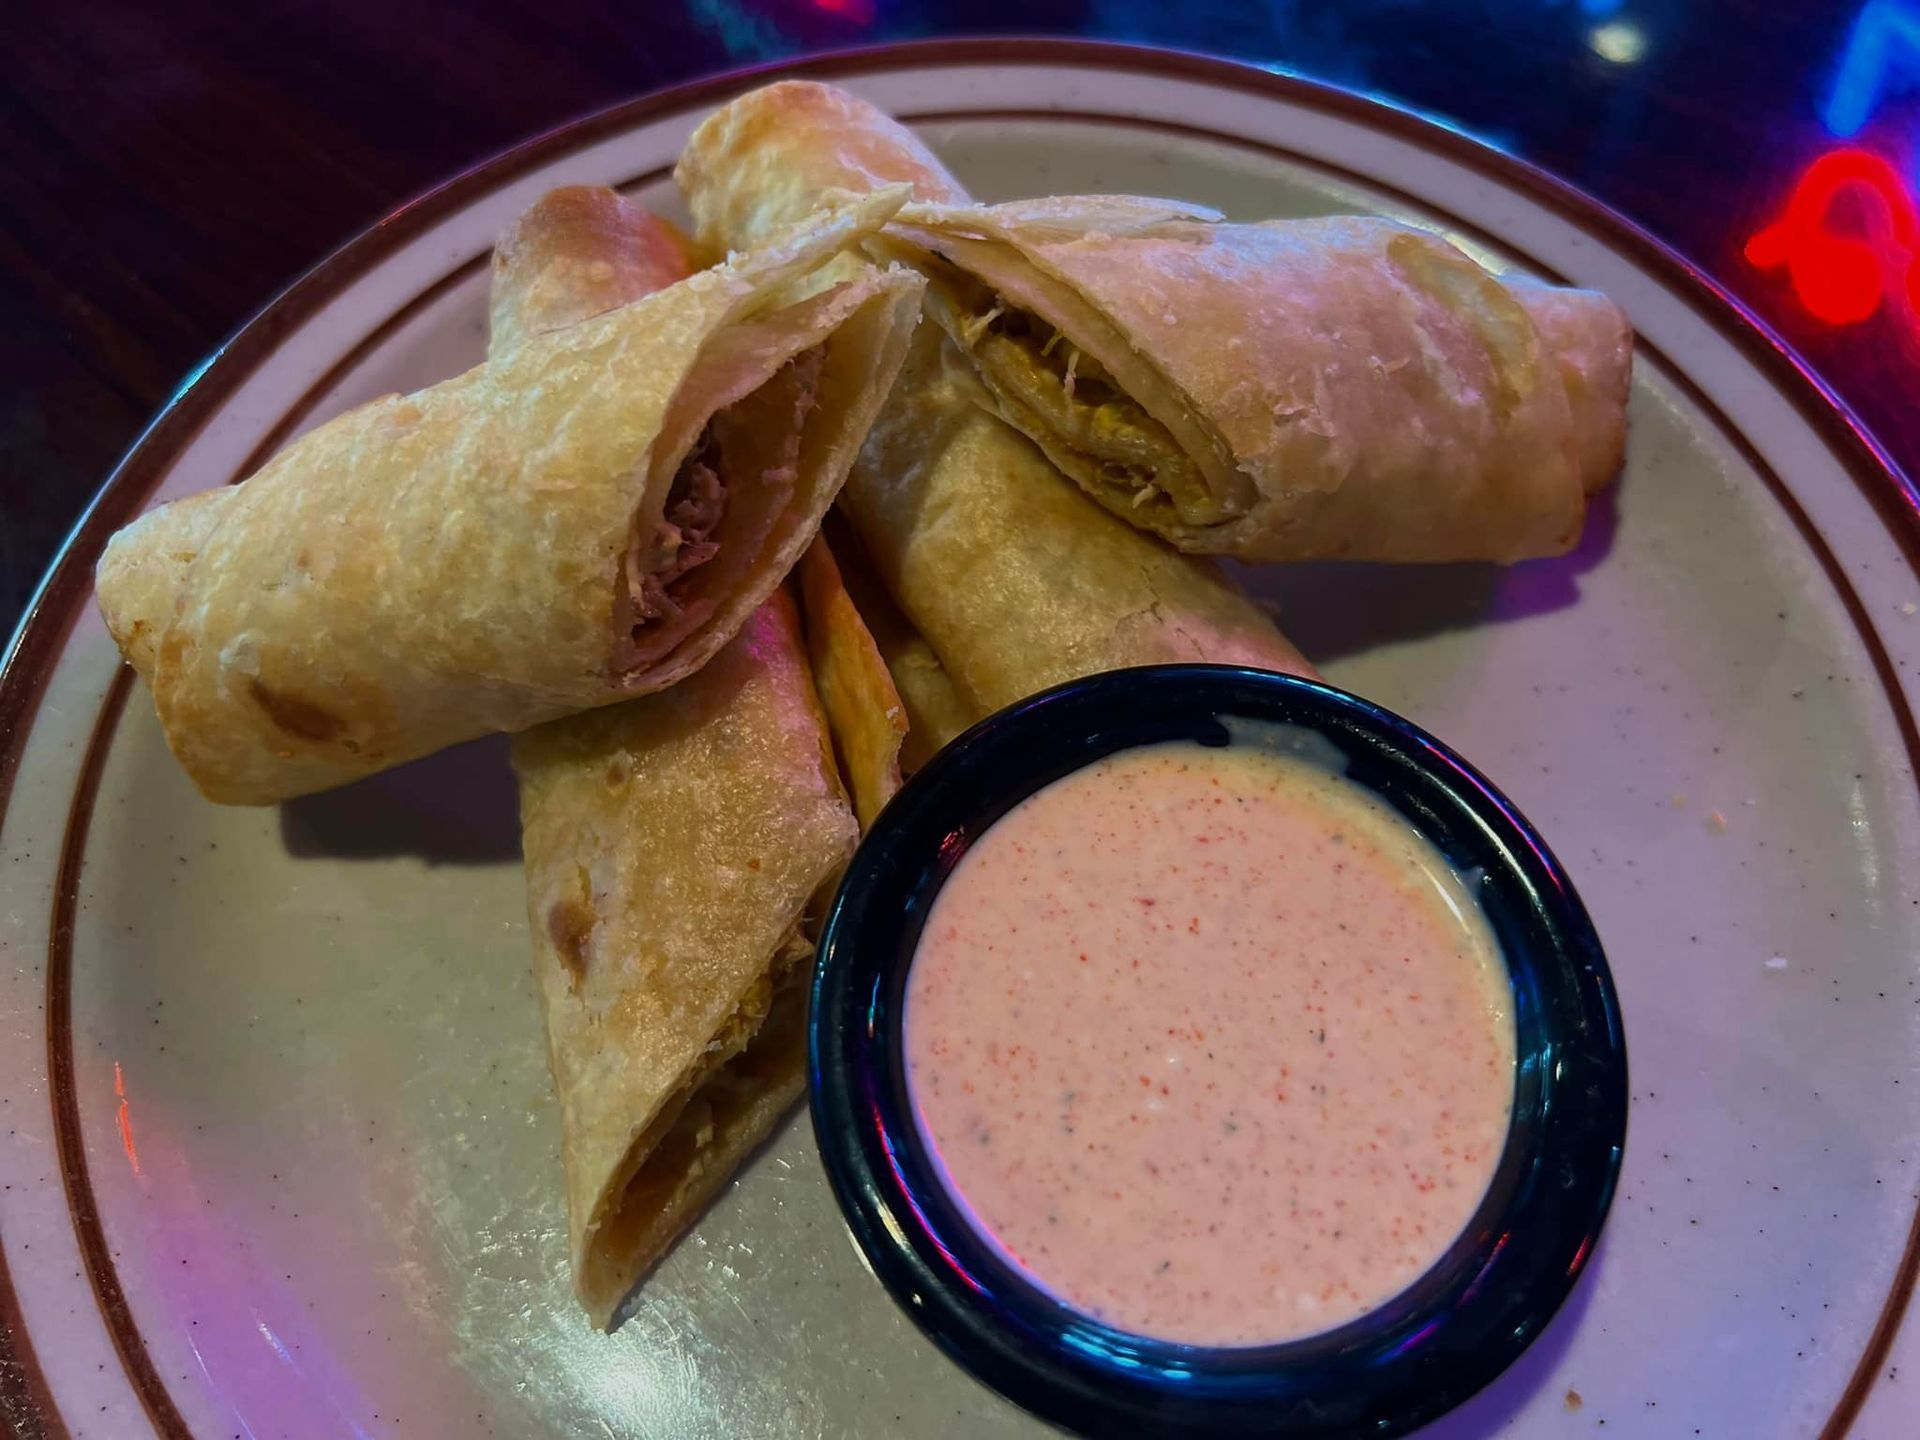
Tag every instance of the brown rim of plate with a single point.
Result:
(25, 1399)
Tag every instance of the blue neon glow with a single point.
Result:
(1882, 53)
(1505, 143)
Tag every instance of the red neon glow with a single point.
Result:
(858, 11)
(1844, 278)
(1580, 1256)
(125, 1119)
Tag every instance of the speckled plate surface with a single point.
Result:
(279, 1157)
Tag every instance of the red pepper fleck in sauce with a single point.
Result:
(1287, 1070)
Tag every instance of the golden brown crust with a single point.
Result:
(578, 252)
(430, 567)
(935, 712)
(681, 840)
(1012, 577)
(688, 1097)
(770, 157)
(864, 710)
(936, 715)
(142, 572)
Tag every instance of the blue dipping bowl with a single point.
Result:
(1423, 1352)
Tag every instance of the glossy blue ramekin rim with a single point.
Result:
(1394, 1369)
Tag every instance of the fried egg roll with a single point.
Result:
(1338, 388)
(587, 517)
(679, 848)
(1014, 578)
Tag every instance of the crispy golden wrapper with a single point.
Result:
(865, 713)
(1346, 387)
(1013, 578)
(510, 546)
(677, 846)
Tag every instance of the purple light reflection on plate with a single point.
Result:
(260, 1369)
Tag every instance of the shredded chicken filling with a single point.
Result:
(763, 1041)
(1087, 415)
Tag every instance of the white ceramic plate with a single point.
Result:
(279, 1155)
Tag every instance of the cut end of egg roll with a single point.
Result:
(584, 250)
(969, 527)
(1071, 405)
(724, 1108)
(587, 517)
(1339, 388)
(679, 849)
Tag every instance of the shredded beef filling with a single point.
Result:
(684, 540)
(733, 451)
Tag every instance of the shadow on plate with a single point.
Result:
(1334, 610)
(459, 807)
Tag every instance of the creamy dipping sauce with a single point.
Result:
(1211, 1044)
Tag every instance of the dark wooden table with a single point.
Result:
(166, 168)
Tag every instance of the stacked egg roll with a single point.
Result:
(1013, 577)
(587, 517)
(1307, 389)
(678, 850)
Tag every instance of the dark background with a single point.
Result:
(165, 169)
